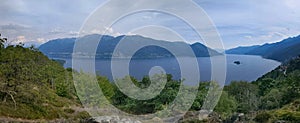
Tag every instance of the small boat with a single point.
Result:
(237, 62)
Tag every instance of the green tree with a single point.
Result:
(2, 42)
(107, 88)
(30, 82)
(246, 95)
(227, 105)
(272, 100)
(292, 86)
(265, 85)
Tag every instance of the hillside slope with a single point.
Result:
(280, 51)
(241, 50)
(64, 47)
(280, 91)
(33, 87)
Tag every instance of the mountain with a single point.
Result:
(280, 51)
(64, 47)
(241, 50)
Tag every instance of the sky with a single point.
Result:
(239, 22)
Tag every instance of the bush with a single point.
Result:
(262, 117)
(70, 111)
(290, 116)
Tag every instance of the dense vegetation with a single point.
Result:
(273, 97)
(279, 91)
(34, 87)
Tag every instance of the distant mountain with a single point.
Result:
(241, 50)
(64, 47)
(280, 51)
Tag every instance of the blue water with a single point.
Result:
(251, 67)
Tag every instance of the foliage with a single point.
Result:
(227, 105)
(32, 86)
(246, 95)
(202, 92)
(160, 102)
(272, 100)
(279, 93)
(262, 117)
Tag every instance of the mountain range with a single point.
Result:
(63, 48)
(281, 51)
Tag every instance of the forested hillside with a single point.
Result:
(35, 88)
(281, 51)
(63, 48)
(273, 97)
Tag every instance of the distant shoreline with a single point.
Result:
(108, 58)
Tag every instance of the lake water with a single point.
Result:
(251, 67)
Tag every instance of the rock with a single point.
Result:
(280, 121)
(203, 114)
(237, 62)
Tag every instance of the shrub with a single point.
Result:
(262, 117)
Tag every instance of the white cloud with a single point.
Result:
(73, 33)
(244, 22)
(40, 40)
(109, 30)
(293, 4)
(21, 39)
(56, 30)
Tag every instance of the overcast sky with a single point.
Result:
(239, 22)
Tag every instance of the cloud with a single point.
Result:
(244, 22)
(56, 31)
(40, 40)
(16, 32)
(265, 21)
(13, 27)
(73, 33)
(21, 39)
(292, 4)
(47, 19)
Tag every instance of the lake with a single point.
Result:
(249, 69)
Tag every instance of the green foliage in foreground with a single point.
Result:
(34, 87)
(279, 94)
(275, 97)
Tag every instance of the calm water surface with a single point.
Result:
(251, 67)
